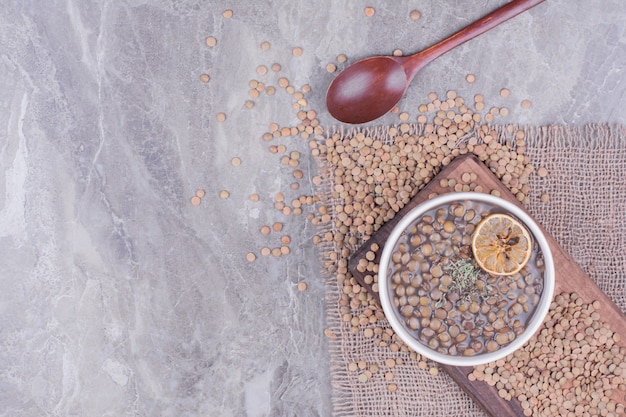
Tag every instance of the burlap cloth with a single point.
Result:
(586, 214)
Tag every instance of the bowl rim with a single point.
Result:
(540, 312)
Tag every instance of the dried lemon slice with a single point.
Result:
(501, 244)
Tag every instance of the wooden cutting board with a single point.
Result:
(569, 277)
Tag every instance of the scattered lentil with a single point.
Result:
(297, 51)
(470, 78)
(251, 257)
(211, 41)
(227, 14)
(221, 117)
(302, 287)
(369, 11)
(236, 161)
(195, 200)
(204, 78)
(415, 15)
(224, 194)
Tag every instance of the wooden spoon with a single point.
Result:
(369, 88)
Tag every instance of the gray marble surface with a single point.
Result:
(118, 296)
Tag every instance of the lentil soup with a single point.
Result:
(441, 295)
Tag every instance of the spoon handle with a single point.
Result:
(471, 31)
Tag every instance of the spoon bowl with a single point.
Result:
(368, 89)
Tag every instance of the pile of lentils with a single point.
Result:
(370, 175)
(572, 367)
(372, 178)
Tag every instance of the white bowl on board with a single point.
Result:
(393, 315)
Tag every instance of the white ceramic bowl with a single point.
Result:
(391, 311)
